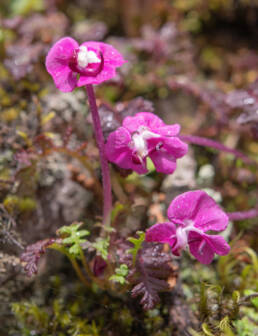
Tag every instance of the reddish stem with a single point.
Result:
(201, 141)
(106, 180)
(241, 215)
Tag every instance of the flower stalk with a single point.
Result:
(242, 215)
(78, 271)
(201, 141)
(106, 180)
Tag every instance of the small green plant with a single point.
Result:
(120, 274)
(137, 242)
(73, 238)
(62, 320)
(222, 313)
(101, 245)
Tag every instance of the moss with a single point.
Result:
(14, 203)
(9, 114)
(222, 301)
(63, 320)
(248, 324)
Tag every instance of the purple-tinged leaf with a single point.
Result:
(33, 253)
(98, 266)
(22, 57)
(156, 273)
(214, 99)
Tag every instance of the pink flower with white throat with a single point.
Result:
(72, 65)
(145, 135)
(190, 215)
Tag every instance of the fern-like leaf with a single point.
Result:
(155, 270)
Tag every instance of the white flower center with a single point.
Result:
(181, 235)
(86, 57)
(139, 143)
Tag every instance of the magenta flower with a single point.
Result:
(145, 135)
(72, 65)
(191, 215)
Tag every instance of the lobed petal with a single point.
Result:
(169, 130)
(112, 60)
(175, 147)
(107, 73)
(111, 55)
(201, 250)
(163, 161)
(118, 151)
(203, 247)
(117, 143)
(161, 233)
(146, 119)
(199, 207)
(57, 63)
(65, 80)
(211, 217)
(218, 244)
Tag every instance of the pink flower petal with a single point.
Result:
(66, 80)
(203, 247)
(201, 251)
(175, 147)
(169, 130)
(161, 233)
(117, 143)
(151, 137)
(199, 207)
(118, 151)
(107, 73)
(112, 60)
(146, 119)
(218, 244)
(57, 63)
(111, 55)
(164, 158)
(124, 160)
(163, 161)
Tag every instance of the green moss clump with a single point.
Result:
(63, 320)
(14, 203)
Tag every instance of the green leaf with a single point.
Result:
(118, 208)
(120, 274)
(224, 324)
(137, 242)
(247, 325)
(253, 257)
(206, 330)
(194, 333)
(236, 296)
(203, 304)
(101, 245)
(73, 238)
(150, 166)
(253, 300)
(235, 308)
